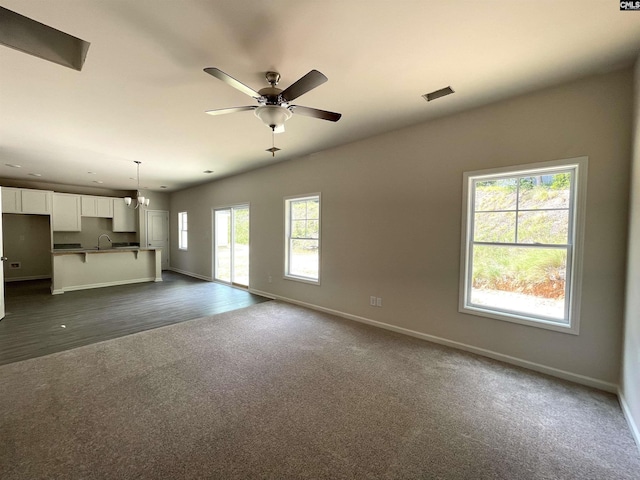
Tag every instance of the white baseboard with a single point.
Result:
(633, 426)
(271, 296)
(22, 279)
(191, 274)
(100, 285)
(537, 367)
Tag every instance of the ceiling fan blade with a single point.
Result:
(40, 40)
(224, 111)
(229, 80)
(310, 81)
(315, 113)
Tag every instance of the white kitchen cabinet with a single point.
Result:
(36, 201)
(88, 206)
(66, 212)
(105, 206)
(93, 206)
(26, 200)
(11, 200)
(124, 218)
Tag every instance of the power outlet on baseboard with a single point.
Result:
(15, 265)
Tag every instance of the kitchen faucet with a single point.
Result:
(103, 235)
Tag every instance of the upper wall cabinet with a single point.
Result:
(97, 206)
(124, 218)
(66, 212)
(24, 200)
(11, 200)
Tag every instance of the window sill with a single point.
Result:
(557, 326)
(310, 281)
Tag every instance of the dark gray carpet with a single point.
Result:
(280, 392)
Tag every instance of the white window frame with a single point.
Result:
(287, 236)
(574, 248)
(181, 230)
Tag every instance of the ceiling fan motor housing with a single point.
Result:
(270, 96)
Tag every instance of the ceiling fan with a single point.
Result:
(274, 107)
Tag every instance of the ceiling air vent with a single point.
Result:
(443, 92)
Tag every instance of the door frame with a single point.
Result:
(213, 244)
(2, 260)
(166, 251)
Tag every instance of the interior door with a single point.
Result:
(157, 224)
(231, 247)
(1, 263)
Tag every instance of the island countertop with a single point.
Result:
(65, 251)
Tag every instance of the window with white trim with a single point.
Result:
(183, 231)
(521, 244)
(302, 238)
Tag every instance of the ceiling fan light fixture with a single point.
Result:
(273, 116)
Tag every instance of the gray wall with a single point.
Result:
(391, 216)
(27, 240)
(630, 383)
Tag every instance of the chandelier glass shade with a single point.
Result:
(141, 200)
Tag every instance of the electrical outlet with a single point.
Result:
(372, 301)
(378, 302)
(270, 279)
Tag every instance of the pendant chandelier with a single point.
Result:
(141, 201)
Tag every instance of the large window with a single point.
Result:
(183, 231)
(302, 237)
(522, 243)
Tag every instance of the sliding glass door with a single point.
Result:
(231, 245)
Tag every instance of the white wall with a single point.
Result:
(630, 382)
(391, 217)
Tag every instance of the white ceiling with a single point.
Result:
(142, 92)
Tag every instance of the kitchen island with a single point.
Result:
(80, 269)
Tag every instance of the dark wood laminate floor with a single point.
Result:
(38, 323)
